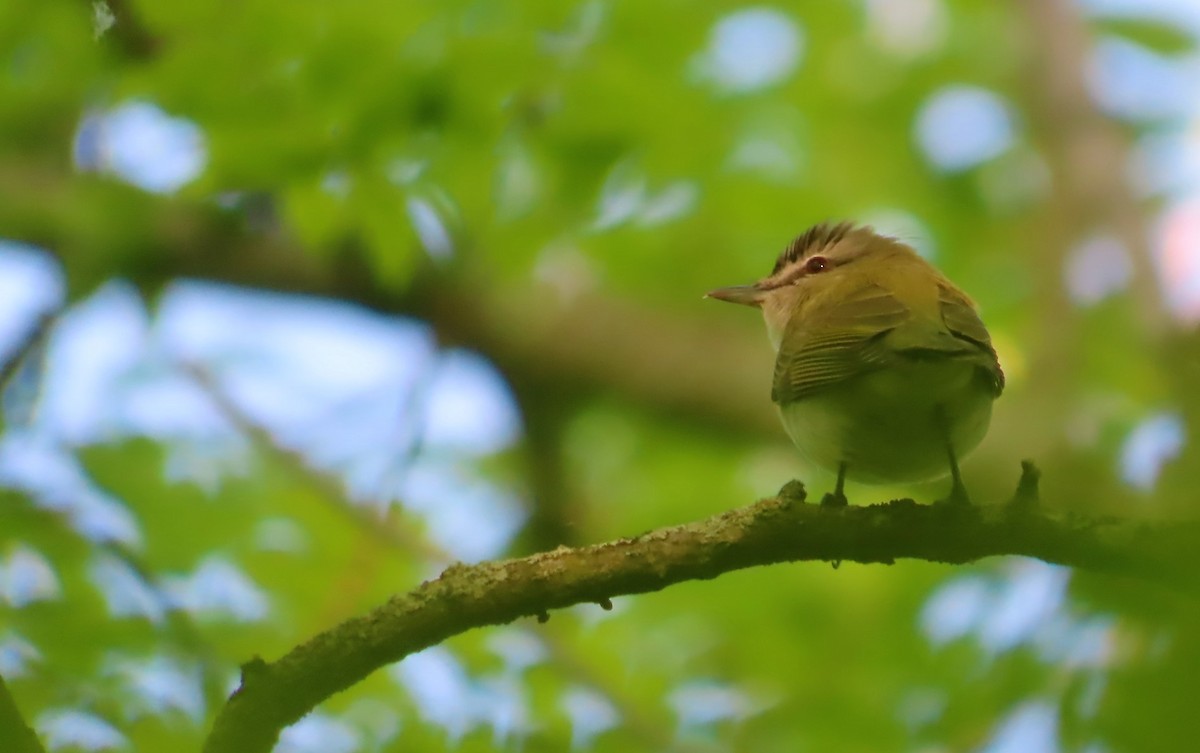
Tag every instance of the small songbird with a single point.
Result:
(884, 372)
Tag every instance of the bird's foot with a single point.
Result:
(834, 499)
(958, 497)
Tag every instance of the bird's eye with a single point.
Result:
(816, 264)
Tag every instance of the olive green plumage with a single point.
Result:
(884, 371)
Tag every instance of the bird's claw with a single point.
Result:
(834, 499)
(958, 497)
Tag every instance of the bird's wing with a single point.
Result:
(959, 316)
(838, 344)
(871, 329)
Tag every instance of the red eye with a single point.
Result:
(816, 264)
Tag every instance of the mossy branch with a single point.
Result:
(775, 530)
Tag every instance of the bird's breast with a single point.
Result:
(893, 425)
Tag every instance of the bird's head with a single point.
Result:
(808, 263)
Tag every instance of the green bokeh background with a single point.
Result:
(325, 124)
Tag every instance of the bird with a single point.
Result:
(884, 371)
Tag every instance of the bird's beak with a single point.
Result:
(747, 295)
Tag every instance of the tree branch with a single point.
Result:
(1088, 153)
(775, 530)
(588, 345)
(398, 536)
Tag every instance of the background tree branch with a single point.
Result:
(553, 189)
(583, 346)
(775, 530)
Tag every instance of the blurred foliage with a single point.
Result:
(555, 150)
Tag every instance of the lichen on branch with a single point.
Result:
(776, 530)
